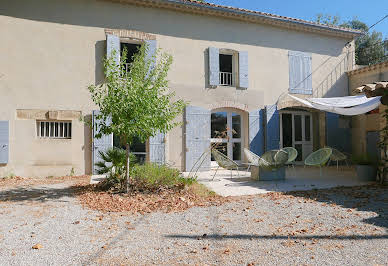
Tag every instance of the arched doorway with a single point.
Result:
(227, 132)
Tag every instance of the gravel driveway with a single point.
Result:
(333, 227)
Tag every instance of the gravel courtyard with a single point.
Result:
(332, 227)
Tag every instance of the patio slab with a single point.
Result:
(296, 179)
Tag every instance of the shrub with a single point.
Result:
(113, 166)
(153, 177)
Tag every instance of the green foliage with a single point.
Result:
(152, 177)
(327, 19)
(113, 165)
(138, 102)
(370, 47)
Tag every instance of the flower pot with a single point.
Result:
(366, 172)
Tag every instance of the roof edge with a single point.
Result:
(368, 68)
(196, 7)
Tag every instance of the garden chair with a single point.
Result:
(270, 160)
(224, 162)
(319, 158)
(337, 156)
(292, 154)
(252, 158)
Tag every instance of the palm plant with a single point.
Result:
(113, 164)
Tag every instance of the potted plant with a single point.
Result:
(366, 167)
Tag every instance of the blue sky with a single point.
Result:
(368, 11)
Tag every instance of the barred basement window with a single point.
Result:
(54, 130)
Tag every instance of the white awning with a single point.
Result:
(348, 105)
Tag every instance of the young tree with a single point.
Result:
(136, 102)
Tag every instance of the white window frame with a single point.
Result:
(54, 129)
(229, 124)
(307, 146)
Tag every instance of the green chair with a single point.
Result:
(337, 156)
(292, 154)
(224, 162)
(319, 158)
(274, 159)
(270, 160)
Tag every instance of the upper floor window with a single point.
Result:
(228, 68)
(132, 49)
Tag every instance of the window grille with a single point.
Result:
(54, 130)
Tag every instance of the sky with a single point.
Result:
(368, 11)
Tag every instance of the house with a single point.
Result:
(366, 128)
(234, 66)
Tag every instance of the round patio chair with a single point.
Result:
(224, 162)
(337, 156)
(292, 154)
(273, 159)
(252, 158)
(319, 158)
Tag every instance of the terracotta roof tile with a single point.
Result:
(271, 15)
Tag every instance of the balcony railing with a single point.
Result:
(226, 79)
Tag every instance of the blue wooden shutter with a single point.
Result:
(214, 66)
(300, 72)
(243, 70)
(256, 131)
(99, 144)
(272, 130)
(4, 142)
(157, 149)
(197, 137)
(113, 44)
(152, 46)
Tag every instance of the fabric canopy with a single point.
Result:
(348, 105)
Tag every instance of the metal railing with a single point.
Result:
(226, 79)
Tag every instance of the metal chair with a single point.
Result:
(224, 162)
(337, 156)
(319, 158)
(292, 154)
(270, 160)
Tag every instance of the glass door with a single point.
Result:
(296, 131)
(226, 134)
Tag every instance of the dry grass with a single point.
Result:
(166, 200)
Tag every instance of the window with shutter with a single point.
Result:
(300, 72)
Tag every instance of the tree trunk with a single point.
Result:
(127, 168)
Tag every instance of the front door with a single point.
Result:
(296, 131)
(226, 133)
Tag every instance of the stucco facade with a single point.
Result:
(50, 51)
(364, 127)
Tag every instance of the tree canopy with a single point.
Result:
(137, 103)
(370, 47)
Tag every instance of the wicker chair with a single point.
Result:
(224, 162)
(337, 156)
(319, 158)
(270, 160)
(292, 154)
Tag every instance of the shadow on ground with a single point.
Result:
(40, 194)
(279, 237)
